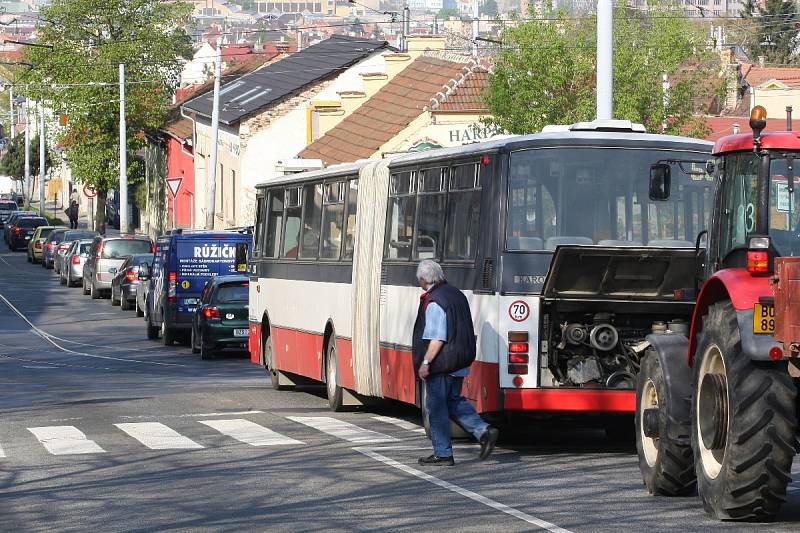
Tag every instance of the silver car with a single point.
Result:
(72, 272)
(107, 253)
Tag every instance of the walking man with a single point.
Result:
(73, 209)
(443, 349)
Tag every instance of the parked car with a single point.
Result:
(12, 218)
(22, 229)
(7, 207)
(141, 295)
(107, 253)
(126, 280)
(184, 263)
(220, 321)
(58, 236)
(36, 244)
(72, 272)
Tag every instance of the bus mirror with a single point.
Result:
(660, 177)
(241, 257)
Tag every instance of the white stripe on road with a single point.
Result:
(65, 440)
(157, 436)
(2, 453)
(341, 429)
(249, 432)
(400, 423)
(503, 508)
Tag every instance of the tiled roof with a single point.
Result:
(722, 126)
(385, 114)
(468, 93)
(757, 76)
(280, 79)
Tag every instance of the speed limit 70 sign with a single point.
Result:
(519, 311)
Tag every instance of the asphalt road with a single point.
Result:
(103, 430)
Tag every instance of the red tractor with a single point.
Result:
(717, 411)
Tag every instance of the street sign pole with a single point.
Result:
(123, 156)
(28, 191)
(211, 174)
(41, 158)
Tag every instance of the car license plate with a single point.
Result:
(191, 301)
(27, 237)
(763, 318)
(241, 332)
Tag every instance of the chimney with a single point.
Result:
(762, 61)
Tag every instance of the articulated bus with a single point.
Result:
(567, 264)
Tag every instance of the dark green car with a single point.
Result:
(220, 321)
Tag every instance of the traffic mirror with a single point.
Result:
(660, 178)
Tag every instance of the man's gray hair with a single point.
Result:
(430, 271)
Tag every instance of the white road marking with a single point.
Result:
(400, 423)
(341, 429)
(483, 500)
(65, 440)
(49, 338)
(249, 432)
(195, 415)
(2, 453)
(157, 436)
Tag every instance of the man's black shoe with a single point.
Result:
(488, 440)
(436, 460)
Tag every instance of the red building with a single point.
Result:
(180, 174)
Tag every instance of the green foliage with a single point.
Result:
(445, 14)
(770, 31)
(546, 72)
(13, 161)
(79, 76)
(489, 8)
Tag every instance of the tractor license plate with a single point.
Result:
(763, 318)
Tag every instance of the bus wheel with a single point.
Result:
(335, 393)
(666, 464)
(276, 380)
(743, 424)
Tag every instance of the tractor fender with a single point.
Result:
(671, 348)
(743, 290)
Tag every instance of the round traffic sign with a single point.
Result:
(89, 191)
(519, 311)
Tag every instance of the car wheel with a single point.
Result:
(167, 335)
(29, 258)
(114, 299)
(94, 292)
(61, 279)
(139, 311)
(206, 352)
(193, 343)
(125, 304)
(152, 331)
(85, 288)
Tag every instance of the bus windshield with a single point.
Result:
(599, 196)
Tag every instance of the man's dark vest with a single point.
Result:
(459, 350)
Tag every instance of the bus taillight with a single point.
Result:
(517, 352)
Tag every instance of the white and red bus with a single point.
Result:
(566, 263)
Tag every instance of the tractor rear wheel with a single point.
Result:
(743, 423)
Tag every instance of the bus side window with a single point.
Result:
(350, 222)
(274, 222)
(463, 213)
(431, 203)
(332, 213)
(291, 234)
(400, 219)
(312, 220)
(259, 227)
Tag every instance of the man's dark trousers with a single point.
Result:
(443, 402)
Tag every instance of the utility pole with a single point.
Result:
(11, 111)
(41, 158)
(28, 192)
(475, 27)
(605, 58)
(123, 156)
(211, 188)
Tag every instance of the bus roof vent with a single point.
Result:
(623, 126)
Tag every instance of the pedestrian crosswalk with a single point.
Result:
(296, 431)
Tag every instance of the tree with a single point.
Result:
(489, 8)
(546, 72)
(75, 72)
(446, 13)
(13, 161)
(771, 30)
